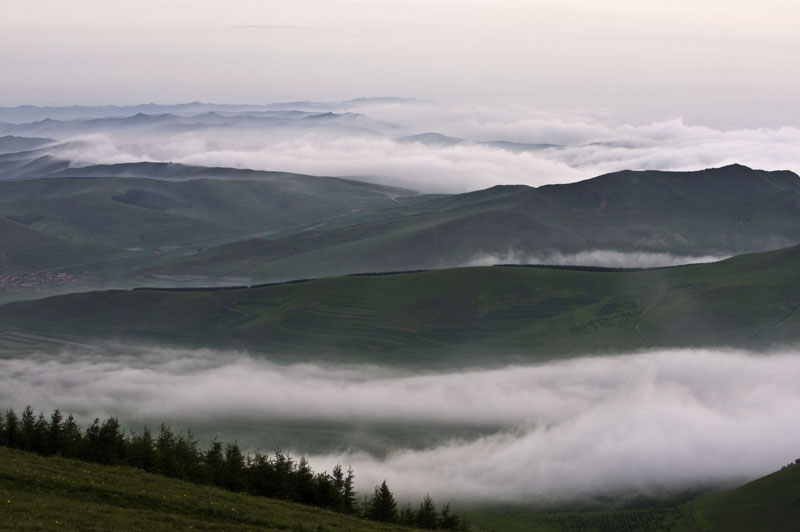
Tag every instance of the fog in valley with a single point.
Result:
(636, 423)
(632, 423)
(290, 248)
(604, 258)
(423, 145)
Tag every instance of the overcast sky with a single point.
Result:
(722, 63)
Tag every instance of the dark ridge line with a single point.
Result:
(376, 274)
(399, 272)
(218, 288)
(605, 269)
(187, 288)
(264, 285)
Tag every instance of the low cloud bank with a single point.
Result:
(586, 145)
(605, 258)
(557, 430)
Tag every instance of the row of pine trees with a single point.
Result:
(223, 465)
(382, 507)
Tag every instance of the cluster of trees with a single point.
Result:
(223, 465)
(382, 507)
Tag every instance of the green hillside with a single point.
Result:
(488, 313)
(101, 226)
(39, 493)
(176, 225)
(769, 504)
(724, 211)
(53, 493)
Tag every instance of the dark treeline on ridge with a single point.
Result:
(223, 465)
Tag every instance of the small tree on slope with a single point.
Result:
(382, 506)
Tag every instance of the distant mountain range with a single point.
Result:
(437, 139)
(168, 123)
(12, 144)
(31, 113)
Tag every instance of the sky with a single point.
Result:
(724, 64)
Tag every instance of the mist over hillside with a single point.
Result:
(513, 308)
(424, 145)
(540, 259)
(171, 224)
(630, 424)
(412, 150)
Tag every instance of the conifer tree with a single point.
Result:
(448, 520)
(71, 438)
(111, 442)
(90, 446)
(283, 467)
(40, 435)
(12, 430)
(427, 516)
(303, 482)
(55, 429)
(260, 475)
(337, 477)
(141, 451)
(167, 462)
(234, 477)
(382, 506)
(27, 429)
(188, 457)
(215, 463)
(326, 495)
(349, 497)
(407, 516)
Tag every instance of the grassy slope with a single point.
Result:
(56, 494)
(726, 210)
(769, 504)
(110, 220)
(657, 519)
(103, 228)
(748, 301)
(42, 494)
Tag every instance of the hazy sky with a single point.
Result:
(721, 63)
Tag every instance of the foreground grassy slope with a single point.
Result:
(44, 494)
(747, 301)
(769, 504)
(56, 494)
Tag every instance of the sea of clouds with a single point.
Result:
(587, 144)
(627, 424)
(605, 258)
